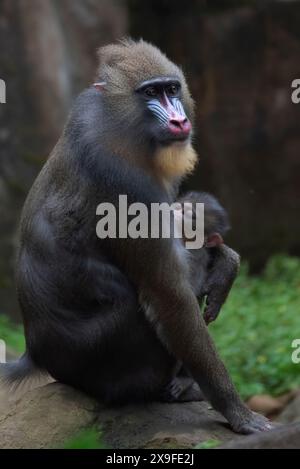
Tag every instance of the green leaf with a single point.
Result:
(86, 439)
(208, 444)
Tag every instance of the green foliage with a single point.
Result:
(257, 326)
(208, 444)
(12, 334)
(90, 438)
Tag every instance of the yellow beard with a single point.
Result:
(175, 161)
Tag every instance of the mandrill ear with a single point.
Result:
(100, 85)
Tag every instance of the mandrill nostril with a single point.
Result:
(178, 122)
(180, 127)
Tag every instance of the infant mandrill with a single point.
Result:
(214, 267)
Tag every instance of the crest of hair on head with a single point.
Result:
(126, 64)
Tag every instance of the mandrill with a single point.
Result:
(118, 318)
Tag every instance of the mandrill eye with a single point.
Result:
(150, 92)
(173, 90)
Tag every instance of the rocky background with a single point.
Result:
(240, 58)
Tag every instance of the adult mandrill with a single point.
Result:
(117, 317)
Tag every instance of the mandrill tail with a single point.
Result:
(17, 374)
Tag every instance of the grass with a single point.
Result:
(89, 438)
(253, 333)
(209, 444)
(257, 326)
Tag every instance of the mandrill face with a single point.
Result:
(148, 108)
(161, 99)
(145, 93)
